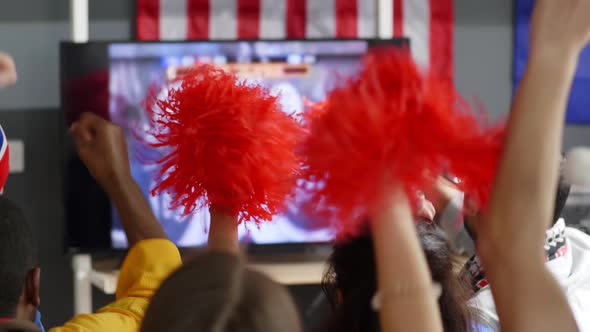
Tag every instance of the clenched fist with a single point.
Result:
(101, 146)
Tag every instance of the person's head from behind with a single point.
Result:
(350, 283)
(19, 276)
(216, 292)
(473, 217)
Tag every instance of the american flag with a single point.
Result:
(427, 23)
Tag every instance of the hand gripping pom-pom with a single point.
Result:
(392, 122)
(227, 143)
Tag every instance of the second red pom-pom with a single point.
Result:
(393, 123)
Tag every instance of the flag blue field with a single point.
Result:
(579, 104)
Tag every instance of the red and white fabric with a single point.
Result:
(4, 160)
(427, 23)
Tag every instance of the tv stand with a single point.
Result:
(87, 274)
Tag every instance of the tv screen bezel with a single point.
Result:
(313, 249)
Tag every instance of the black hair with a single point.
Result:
(17, 255)
(350, 283)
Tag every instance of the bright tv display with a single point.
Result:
(114, 83)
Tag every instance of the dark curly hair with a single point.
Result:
(350, 283)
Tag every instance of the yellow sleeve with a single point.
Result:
(147, 264)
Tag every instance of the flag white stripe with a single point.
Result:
(385, 18)
(223, 23)
(417, 27)
(366, 23)
(321, 19)
(273, 19)
(173, 19)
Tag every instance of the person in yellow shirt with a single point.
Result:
(152, 257)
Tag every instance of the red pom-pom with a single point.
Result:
(393, 122)
(228, 144)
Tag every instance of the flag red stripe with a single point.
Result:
(148, 20)
(346, 18)
(398, 18)
(198, 12)
(441, 37)
(296, 19)
(248, 19)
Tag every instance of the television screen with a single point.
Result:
(295, 71)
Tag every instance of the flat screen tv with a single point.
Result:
(111, 79)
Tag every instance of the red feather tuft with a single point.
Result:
(229, 145)
(393, 122)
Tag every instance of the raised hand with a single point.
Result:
(7, 70)
(101, 146)
(521, 204)
(560, 26)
